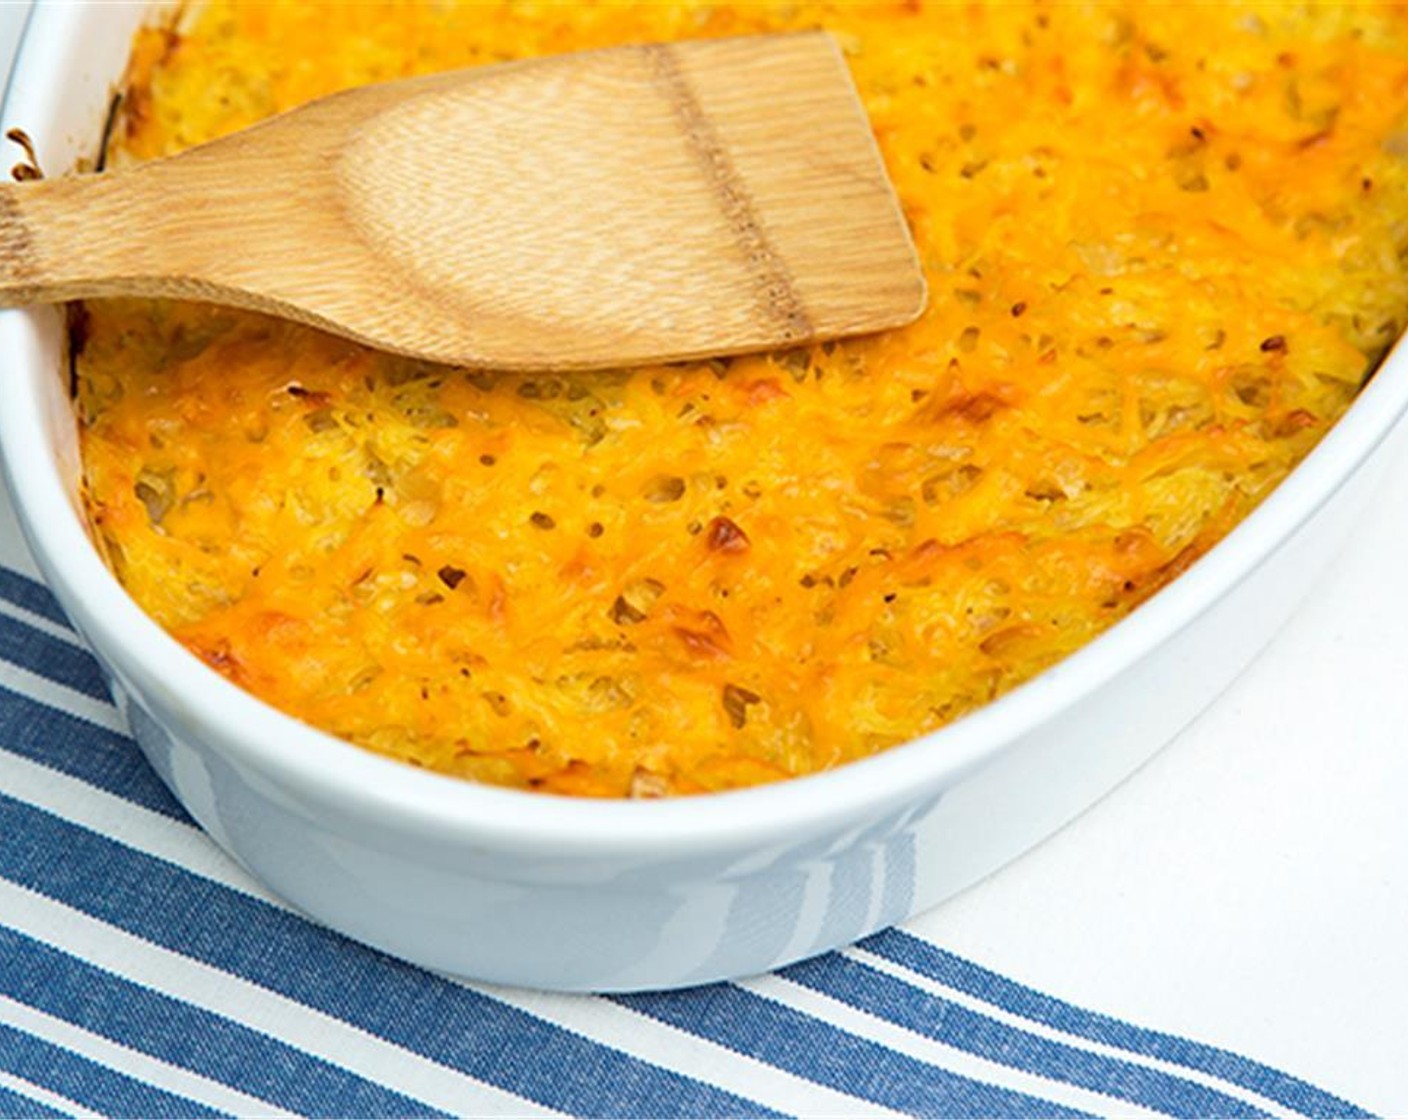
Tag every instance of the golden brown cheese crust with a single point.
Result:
(1165, 246)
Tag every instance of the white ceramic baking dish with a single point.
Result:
(556, 893)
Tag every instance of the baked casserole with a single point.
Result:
(1165, 246)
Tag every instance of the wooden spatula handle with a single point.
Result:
(66, 238)
(129, 233)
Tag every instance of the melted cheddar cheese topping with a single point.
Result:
(1165, 245)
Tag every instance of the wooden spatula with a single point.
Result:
(605, 208)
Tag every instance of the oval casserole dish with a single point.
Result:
(560, 893)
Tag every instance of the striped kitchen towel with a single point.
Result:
(142, 973)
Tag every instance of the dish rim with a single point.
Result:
(323, 769)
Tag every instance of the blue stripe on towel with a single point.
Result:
(964, 976)
(51, 657)
(888, 998)
(183, 1035)
(75, 747)
(789, 1039)
(30, 594)
(14, 1106)
(236, 933)
(96, 1087)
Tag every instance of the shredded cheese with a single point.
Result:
(1165, 245)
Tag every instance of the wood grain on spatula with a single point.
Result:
(606, 208)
